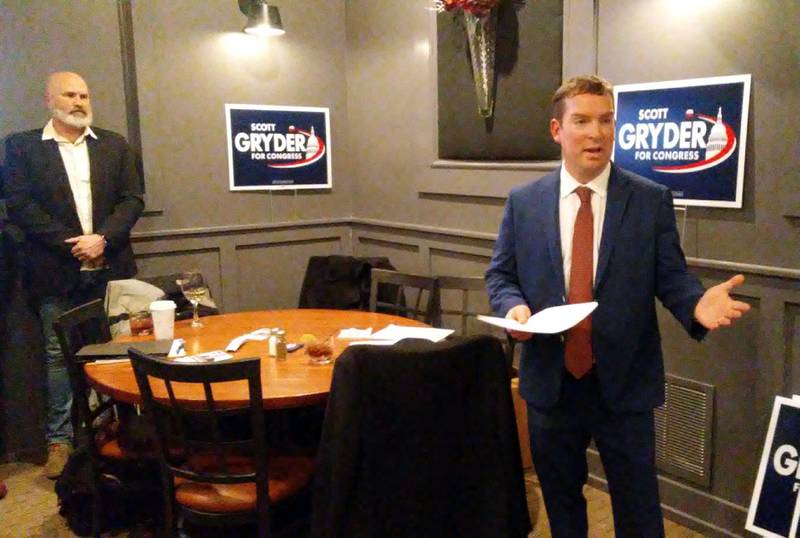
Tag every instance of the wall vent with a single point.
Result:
(683, 430)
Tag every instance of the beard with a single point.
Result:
(72, 119)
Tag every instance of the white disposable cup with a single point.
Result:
(163, 313)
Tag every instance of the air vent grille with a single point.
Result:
(683, 430)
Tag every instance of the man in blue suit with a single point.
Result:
(592, 231)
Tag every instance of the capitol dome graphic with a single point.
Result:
(312, 144)
(718, 138)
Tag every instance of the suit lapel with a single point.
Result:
(553, 231)
(94, 184)
(618, 194)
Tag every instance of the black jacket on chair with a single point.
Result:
(420, 440)
(339, 282)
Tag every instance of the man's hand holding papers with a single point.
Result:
(551, 320)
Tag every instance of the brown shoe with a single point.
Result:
(57, 455)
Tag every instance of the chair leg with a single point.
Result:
(97, 510)
(97, 501)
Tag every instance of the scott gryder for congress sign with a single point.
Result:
(775, 505)
(689, 135)
(278, 147)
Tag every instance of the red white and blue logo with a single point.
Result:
(688, 135)
(272, 147)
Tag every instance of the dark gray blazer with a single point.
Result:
(640, 259)
(41, 203)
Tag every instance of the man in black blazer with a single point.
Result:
(75, 192)
(593, 231)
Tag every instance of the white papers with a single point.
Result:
(177, 349)
(352, 333)
(372, 343)
(395, 333)
(236, 343)
(551, 320)
(208, 356)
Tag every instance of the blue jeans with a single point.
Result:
(59, 391)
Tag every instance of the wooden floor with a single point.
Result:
(30, 509)
(601, 522)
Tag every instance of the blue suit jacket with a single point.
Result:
(640, 259)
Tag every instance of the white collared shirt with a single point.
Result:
(568, 206)
(75, 156)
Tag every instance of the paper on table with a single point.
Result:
(346, 334)
(208, 356)
(236, 343)
(372, 343)
(396, 333)
(177, 349)
(551, 320)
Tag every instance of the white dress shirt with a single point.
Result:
(75, 156)
(568, 206)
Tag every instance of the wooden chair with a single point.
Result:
(222, 479)
(88, 324)
(467, 287)
(417, 286)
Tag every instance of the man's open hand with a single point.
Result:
(716, 308)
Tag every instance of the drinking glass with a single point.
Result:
(320, 351)
(141, 323)
(194, 288)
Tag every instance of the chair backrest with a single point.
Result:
(408, 299)
(466, 309)
(85, 324)
(468, 287)
(419, 439)
(202, 429)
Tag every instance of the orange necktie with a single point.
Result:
(578, 347)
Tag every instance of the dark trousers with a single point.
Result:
(626, 443)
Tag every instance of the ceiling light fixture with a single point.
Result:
(262, 19)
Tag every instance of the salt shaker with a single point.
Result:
(272, 341)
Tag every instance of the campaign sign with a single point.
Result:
(278, 147)
(775, 506)
(689, 135)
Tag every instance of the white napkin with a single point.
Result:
(352, 333)
(236, 343)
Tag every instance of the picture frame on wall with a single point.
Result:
(278, 147)
(689, 135)
(527, 69)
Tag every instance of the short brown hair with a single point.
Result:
(583, 84)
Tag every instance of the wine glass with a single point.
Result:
(194, 288)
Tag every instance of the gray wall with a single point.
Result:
(373, 63)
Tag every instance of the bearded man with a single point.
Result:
(75, 192)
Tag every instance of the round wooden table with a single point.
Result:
(294, 382)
